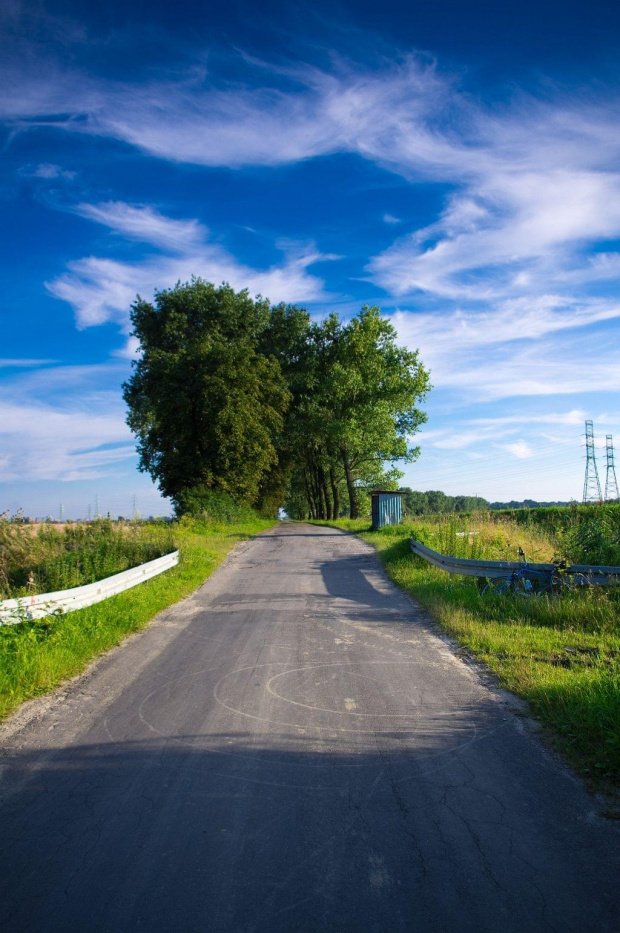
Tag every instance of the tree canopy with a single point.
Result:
(235, 396)
(205, 403)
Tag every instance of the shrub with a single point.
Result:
(212, 505)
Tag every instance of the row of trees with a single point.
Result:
(434, 501)
(234, 396)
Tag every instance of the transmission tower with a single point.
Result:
(611, 481)
(591, 485)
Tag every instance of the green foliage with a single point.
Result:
(434, 501)
(583, 533)
(262, 404)
(50, 559)
(213, 505)
(354, 410)
(594, 540)
(206, 405)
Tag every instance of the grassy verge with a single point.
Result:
(561, 654)
(44, 558)
(37, 656)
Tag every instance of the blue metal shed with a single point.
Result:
(386, 508)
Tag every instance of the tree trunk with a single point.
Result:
(315, 486)
(335, 493)
(309, 497)
(350, 485)
(326, 496)
(319, 494)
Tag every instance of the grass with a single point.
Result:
(43, 559)
(37, 656)
(561, 654)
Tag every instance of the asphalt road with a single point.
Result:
(293, 748)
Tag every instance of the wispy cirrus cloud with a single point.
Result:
(511, 320)
(509, 234)
(63, 423)
(47, 171)
(101, 290)
(535, 182)
(521, 347)
(520, 264)
(520, 449)
(20, 363)
(143, 222)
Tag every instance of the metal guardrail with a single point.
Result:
(496, 569)
(26, 608)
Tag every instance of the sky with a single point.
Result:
(456, 164)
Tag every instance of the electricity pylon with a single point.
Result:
(592, 484)
(611, 481)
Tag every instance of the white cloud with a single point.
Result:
(507, 235)
(534, 181)
(63, 423)
(25, 363)
(480, 432)
(513, 320)
(47, 171)
(44, 443)
(520, 348)
(146, 224)
(102, 290)
(519, 449)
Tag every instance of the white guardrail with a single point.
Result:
(27, 608)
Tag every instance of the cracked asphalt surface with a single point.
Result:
(294, 748)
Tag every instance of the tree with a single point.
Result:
(206, 404)
(353, 410)
(371, 389)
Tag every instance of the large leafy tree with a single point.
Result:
(234, 396)
(354, 411)
(205, 401)
(372, 388)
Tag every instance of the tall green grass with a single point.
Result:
(45, 559)
(560, 653)
(582, 533)
(37, 656)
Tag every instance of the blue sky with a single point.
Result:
(456, 164)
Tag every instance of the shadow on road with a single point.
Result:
(229, 832)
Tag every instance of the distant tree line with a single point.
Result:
(232, 396)
(434, 501)
(526, 504)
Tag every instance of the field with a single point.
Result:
(36, 656)
(560, 653)
(45, 558)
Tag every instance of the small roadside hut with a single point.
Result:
(386, 508)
